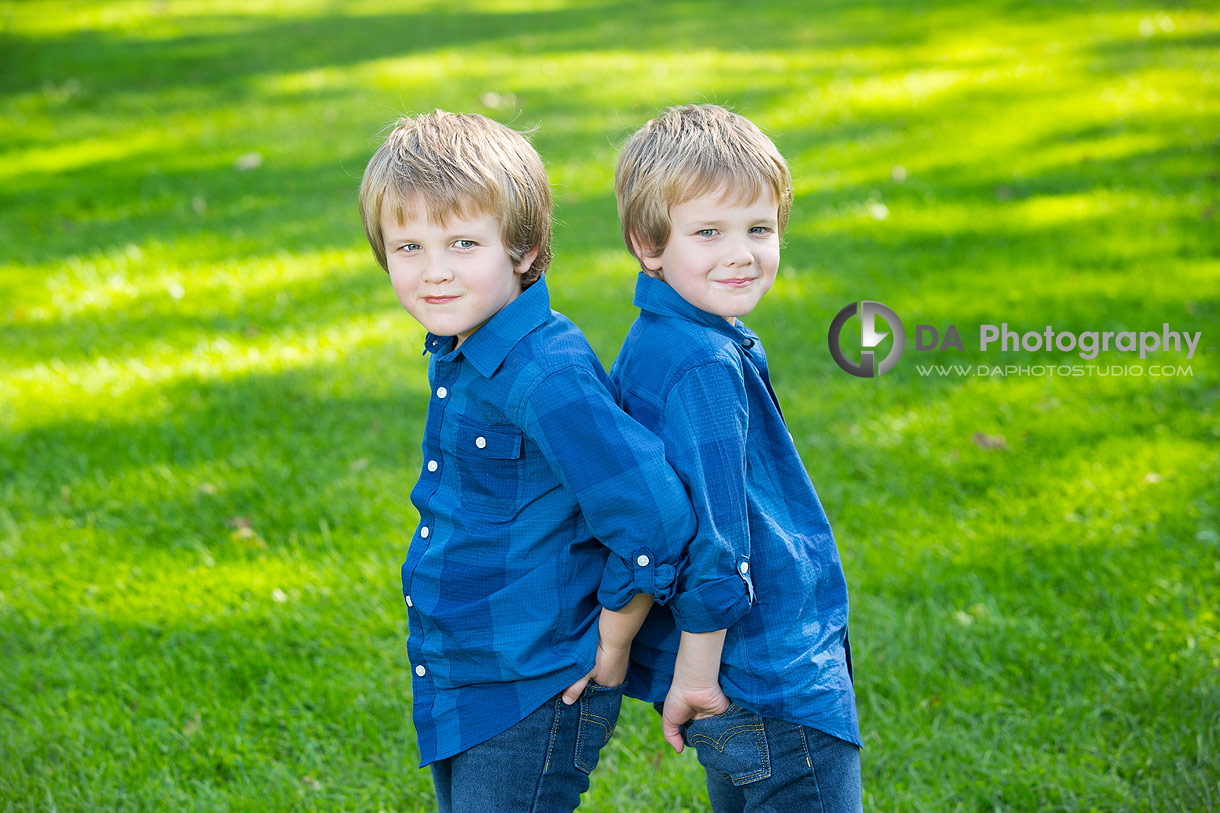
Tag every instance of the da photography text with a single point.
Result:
(877, 321)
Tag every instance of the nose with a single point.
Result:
(739, 254)
(436, 270)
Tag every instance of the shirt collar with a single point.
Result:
(488, 346)
(655, 296)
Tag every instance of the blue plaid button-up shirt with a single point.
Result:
(702, 385)
(538, 498)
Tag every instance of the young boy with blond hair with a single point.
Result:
(704, 198)
(549, 520)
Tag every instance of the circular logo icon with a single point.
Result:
(868, 367)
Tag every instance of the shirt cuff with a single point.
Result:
(623, 579)
(713, 605)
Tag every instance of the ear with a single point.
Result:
(650, 263)
(527, 260)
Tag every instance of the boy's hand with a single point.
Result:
(615, 631)
(686, 703)
(610, 670)
(695, 690)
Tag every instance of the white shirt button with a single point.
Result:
(433, 465)
(745, 567)
(423, 532)
(481, 442)
(410, 603)
(420, 670)
(642, 561)
(441, 392)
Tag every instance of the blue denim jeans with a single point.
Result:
(541, 764)
(760, 765)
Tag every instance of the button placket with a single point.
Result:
(432, 435)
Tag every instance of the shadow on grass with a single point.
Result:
(241, 48)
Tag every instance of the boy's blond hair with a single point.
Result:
(688, 151)
(446, 164)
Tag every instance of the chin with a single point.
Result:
(441, 328)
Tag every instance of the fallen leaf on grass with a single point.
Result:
(248, 161)
(243, 532)
(985, 441)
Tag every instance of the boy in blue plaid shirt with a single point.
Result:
(704, 197)
(549, 519)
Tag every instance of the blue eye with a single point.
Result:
(706, 232)
(465, 243)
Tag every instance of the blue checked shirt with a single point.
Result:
(538, 498)
(702, 385)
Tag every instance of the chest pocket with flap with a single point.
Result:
(489, 466)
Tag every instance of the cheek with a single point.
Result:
(402, 286)
(771, 260)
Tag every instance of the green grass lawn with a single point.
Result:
(211, 403)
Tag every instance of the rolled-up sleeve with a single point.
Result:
(628, 495)
(704, 428)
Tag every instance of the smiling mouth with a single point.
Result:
(738, 282)
(439, 300)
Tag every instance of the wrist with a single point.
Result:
(694, 680)
(613, 646)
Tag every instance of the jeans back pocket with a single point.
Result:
(732, 744)
(599, 710)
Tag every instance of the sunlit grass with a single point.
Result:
(211, 404)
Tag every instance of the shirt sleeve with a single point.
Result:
(704, 429)
(629, 496)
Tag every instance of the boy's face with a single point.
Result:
(452, 276)
(722, 254)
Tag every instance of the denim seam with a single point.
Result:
(546, 764)
(813, 773)
(550, 746)
(805, 746)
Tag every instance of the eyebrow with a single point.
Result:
(405, 236)
(718, 223)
